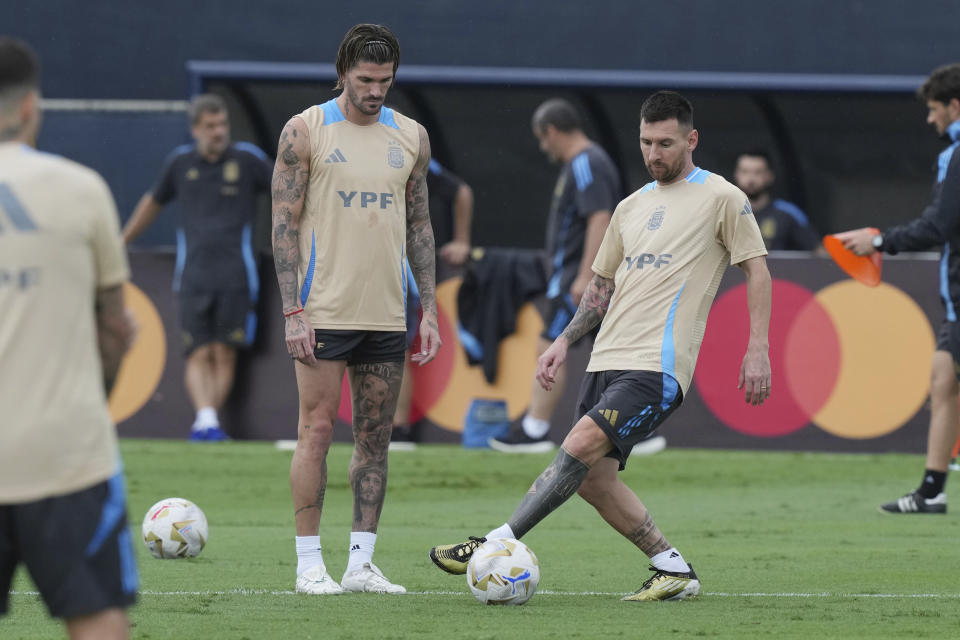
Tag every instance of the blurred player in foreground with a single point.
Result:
(655, 276)
(937, 226)
(349, 205)
(63, 333)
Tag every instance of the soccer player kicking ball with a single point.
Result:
(655, 277)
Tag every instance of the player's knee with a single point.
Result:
(315, 437)
(943, 379)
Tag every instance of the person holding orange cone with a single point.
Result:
(938, 226)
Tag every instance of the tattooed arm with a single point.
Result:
(421, 251)
(593, 306)
(290, 175)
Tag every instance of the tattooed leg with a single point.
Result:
(621, 507)
(319, 387)
(375, 388)
(558, 482)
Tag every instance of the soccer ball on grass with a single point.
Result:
(175, 528)
(503, 571)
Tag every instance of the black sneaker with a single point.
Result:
(916, 503)
(402, 438)
(519, 442)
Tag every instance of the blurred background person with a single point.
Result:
(586, 193)
(451, 215)
(783, 224)
(217, 183)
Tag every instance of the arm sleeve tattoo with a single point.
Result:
(420, 243)
(290, 175)
(593, 306)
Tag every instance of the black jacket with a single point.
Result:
(494, 288)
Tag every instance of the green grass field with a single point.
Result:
(787, 545)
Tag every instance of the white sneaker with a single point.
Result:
(369, 578)
(656, 444)
(317, 581)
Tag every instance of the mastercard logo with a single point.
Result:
(853, 360)
(143, 364)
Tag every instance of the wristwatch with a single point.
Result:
(878, 242)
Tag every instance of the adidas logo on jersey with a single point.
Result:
(336, 156)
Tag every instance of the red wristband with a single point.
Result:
(293, 313)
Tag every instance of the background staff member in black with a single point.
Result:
(217, 183)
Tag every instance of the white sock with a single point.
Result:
(534, 427)
(503, 531)
(361, 549)
(206, 418)
(670, 560)
(309, 553)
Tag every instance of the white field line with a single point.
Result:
(713, 594)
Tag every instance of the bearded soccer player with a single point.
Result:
(349, 206)
(655, 277)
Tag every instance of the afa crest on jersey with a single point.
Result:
(395, 157)
(656, 220)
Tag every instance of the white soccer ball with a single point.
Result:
(175, 528)
(503, 571)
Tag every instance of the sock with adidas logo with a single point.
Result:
(361, 549)
(670, 560)
(932, 484)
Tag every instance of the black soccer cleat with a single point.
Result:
(916, 503)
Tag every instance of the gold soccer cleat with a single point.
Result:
(453, 558)
(666, 585)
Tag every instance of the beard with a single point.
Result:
(663, 172)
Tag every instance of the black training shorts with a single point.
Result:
(628, 405)
(360, 347)
(77, 548)
(948, 339)
(225, 316)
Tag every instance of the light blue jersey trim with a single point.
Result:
(181, 258)
(792, 210)
(470, 343)
(945, 283)
(697, 176)
(386, 117)
(650, 186)
(331, 112)
(18, 215)
(252, 149)
(246, 249)
(668, 355)
(308, 278)
(404, 269)
(435, 167)
(580, 165)
(943, 161)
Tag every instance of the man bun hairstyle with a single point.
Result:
(943, 85)
(667, 105)
(559, 113)
(366, 43)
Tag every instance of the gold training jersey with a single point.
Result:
(353, 228)
(666, 249)
(59, 243)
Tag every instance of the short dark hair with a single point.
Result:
(757, 153)
(205, 103)
(366, 43)
(558, 113)
(667, 105)
(19, 67)
(943, 84)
